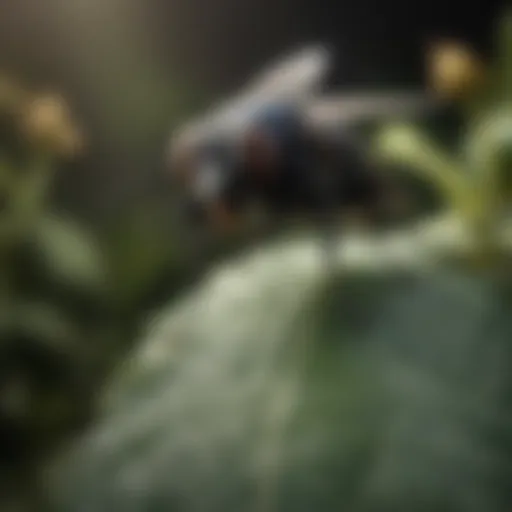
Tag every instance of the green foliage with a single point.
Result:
(475, 183)
(71, 297)
(387, 392)
(69, 253)
(41, 341)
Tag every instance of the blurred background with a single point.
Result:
(89, 93)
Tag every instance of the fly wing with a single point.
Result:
(297, 75)
(351, 109)
(293, 78)
(330, 111)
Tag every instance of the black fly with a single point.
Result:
(286, 149)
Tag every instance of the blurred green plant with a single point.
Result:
(70, 294)
(475, 183)
(47, 263)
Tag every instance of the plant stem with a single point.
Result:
(31, 194)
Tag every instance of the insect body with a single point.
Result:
(286, 150)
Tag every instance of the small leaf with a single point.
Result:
(405, 144)
(486, 144)
(69, 253)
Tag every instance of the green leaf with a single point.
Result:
(69, 253)
(488, 141)
(264, 390)
(407, 145)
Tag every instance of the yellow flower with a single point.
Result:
(48, 125)
(454, 71)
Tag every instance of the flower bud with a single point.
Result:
(48, 125)
(454, 71)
